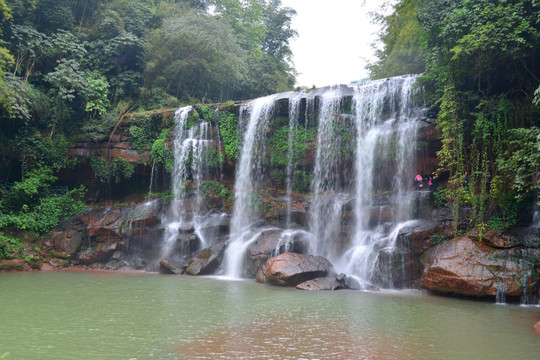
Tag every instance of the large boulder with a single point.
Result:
(106, 231)
(102, 225)
(273, 242)
(206, 261)
(417, 236)
(330, 282)
(291, 269)
(401, 264)
(68, 237)
(467, 267)
(99, 253)
(136, 220)
(167, 268)
(112, 223)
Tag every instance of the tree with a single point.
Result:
(401, 53)
(78, 64)
(487, 49)
(246, 20)
(279, 32)
(95, 94)
(52, 15)
(193, 56)
(6, 60)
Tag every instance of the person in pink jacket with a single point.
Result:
(419, 180)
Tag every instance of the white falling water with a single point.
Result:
(358, 130)
(151, 180)
(190, 156)
(328, 197)
(294, 114)
(387, 124)
(254, 116)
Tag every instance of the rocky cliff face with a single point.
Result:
(109, 238)
(426, 255)
(121, 143)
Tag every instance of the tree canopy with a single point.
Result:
(69, 64)
(73, 68)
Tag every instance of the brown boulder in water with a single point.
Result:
(291, 269)
(467, 267)
(271, 243)
(207, 260)
(166, 268)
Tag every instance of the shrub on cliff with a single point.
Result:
(46, 214)
(9, 247)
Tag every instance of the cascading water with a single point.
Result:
(366, 142)
(190, 158)
(151, 179)
(386, 124)
(350, 170)
(294, 114)
(329, 196)
(254, 117)
(536, 207)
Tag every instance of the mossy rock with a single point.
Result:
(12, 265)
(36, 263)
(205, 254)
(58, 254)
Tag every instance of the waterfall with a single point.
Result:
(386, 128)
(294, 114)
(190, 158)
(151, 180)
(254, 118)
(328, 200)
(365, 147)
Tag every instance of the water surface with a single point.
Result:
(109, 316)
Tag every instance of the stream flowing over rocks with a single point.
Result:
(334, 206)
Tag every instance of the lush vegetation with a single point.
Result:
(30, 205)
(72, 65)
(294, 143)
(228, 129)
(72, 68)
(482, 79)
(216, 195)
(9, 247)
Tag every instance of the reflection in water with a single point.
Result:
(287, 337)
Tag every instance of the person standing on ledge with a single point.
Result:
(419, 180)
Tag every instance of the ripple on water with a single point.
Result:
(284, 337)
